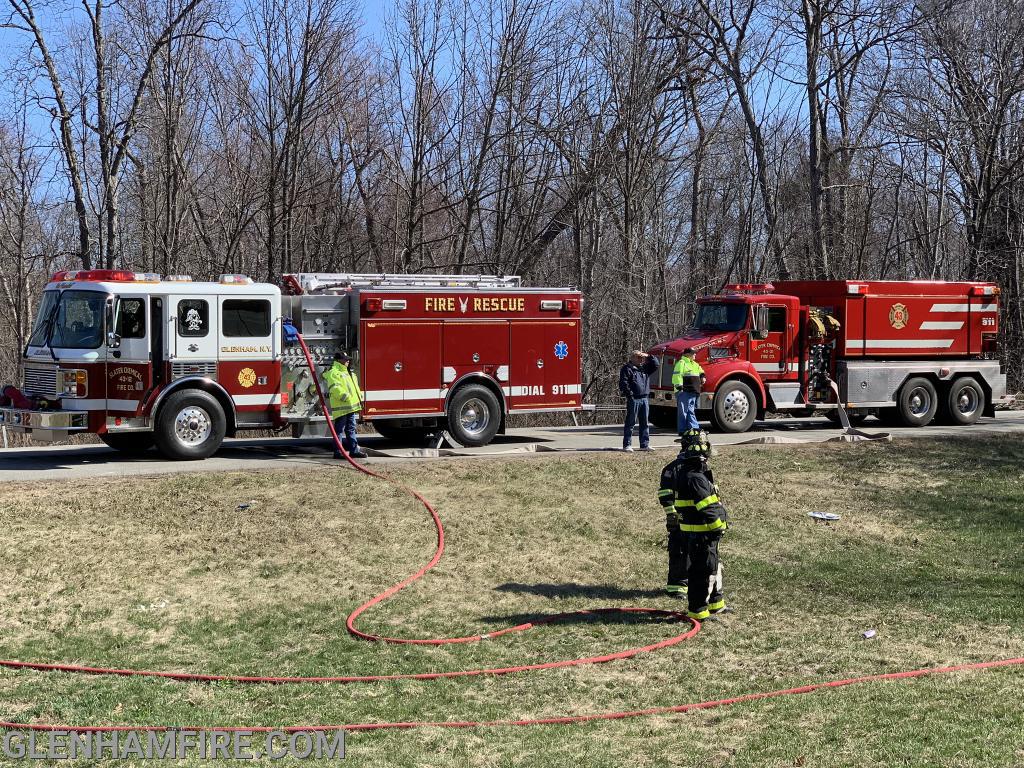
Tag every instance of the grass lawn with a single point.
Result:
(168, 573)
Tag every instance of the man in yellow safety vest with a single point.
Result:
(687, 378)
(346, 401)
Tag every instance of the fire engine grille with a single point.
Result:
(181, 369)
(667, 365)
(41, 380)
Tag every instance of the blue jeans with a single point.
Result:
(686, 411)
(345, 426)
(636, 408)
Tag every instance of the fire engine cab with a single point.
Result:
(907, 351)
(142, 360)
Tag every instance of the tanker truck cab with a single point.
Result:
(140, 360)
(907, 351)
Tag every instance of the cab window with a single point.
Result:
(776, 319)
(245, 318)
(193, 318)
(131, 319)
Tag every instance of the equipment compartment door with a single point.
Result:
(562, 371)
(526, 382)
(401, 367)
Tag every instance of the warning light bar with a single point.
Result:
(857, 289)
(235, 280)
(984, 290)
(750, 288)
(105, 276)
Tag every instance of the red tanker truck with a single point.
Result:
(908, 351)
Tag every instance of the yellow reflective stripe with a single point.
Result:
(717, 606)
(706, 502)
(702, 528)
(684, 503)
(665, 492)
(698, 615)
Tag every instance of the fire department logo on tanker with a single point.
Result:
(247, 377)
(899, 316)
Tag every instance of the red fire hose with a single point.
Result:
(694, 627)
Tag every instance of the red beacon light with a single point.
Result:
(95, 276)
(749, 288)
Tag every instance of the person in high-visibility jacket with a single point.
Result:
(696, 519)
(687, 378)
(346, 400)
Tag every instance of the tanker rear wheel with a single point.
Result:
(474, 415)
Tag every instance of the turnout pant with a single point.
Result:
(678, 564)
(704, 572)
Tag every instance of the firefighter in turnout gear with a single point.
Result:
(696, 520)
(346, 401)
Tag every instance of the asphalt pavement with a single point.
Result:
(98, 461)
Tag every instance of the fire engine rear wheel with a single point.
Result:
(735, 407)
(191, 425)
(917, 402)
(474, 415)
(965, 402)
(130, 443)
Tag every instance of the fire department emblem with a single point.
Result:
(899, 316)
(247, 377)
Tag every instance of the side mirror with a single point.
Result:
(113, 310)
(759, 317)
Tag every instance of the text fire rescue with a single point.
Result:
(480, 304)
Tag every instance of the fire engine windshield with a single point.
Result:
(721, 317)
(70, 319)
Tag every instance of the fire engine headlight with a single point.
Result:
(74, 383)
(717, 353)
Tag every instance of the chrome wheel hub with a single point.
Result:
(967, 401)
(735, 407)
(192, 426)
(920, 401)
(474, 416)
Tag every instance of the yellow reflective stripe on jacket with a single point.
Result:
(684, 503)
(703, 527)
(665, 492)
(706, 502)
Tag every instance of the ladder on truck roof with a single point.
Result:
(316, 282)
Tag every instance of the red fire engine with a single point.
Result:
(140, 360)
(907, 351)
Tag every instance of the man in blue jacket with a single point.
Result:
(635, 386)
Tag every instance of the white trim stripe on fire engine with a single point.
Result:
(101, 404)
(564, 389)
(901, 343)
(256, 399)
(774, 368)
(377, 395)
(940, 325)
(990, 306)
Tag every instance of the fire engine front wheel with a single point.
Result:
(474, 415)
(735, 407)
(191, 425)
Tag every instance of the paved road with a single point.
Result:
(93, 461)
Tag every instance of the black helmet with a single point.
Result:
(695, 445)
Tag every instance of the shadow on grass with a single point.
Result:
(604, 619)
(590, 591)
